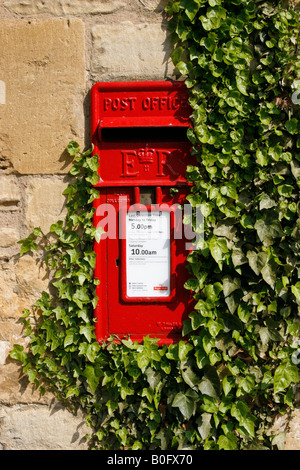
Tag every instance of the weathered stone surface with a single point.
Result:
(154, 5)
(43, 67)
(9, 236)
(15, 387)
(12, 331)
(38, 427)
(4, 351)
(5, 147)
(293, 435)
(131, 51)
(45, 202)
(11, 303)
(21, 284)
(31, 276)
(64, 7)
(9, 192)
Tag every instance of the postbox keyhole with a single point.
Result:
(147, 196)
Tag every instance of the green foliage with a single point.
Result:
(240, 65)
(223, 386)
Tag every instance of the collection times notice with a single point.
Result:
(148, 254)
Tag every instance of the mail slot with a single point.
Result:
(139, 131)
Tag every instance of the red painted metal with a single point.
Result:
(139, 132)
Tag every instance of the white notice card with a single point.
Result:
(148, 254)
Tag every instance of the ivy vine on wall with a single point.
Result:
(224, 386)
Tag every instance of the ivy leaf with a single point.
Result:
(28, 244)
(81, 296)
(204, 425)
(143, 361)
(191, 8)
(218, 248)
(213, 3)
(204, 308)
(71, 337)
(238, 257)
(242, 85)
(19, 354)
(262, 157)
(232, 322)
(229, 189)
(257, 260)
(92, 163)
(284, 376)
(210, 383)
(215, 326)
(266, 202)
(273, 332)
(188, 374)
(296, 290)
(269, 274)
(285, 190)
(246, 420)
(209, 42)
(235, 100)
(196, 320)
(176, 55)
(183, 349)
(268, 228)
(98, 232)
(182, 67)
(247, 383)
(87, 331)
(93, 373)
(202, 132)
(73, 148)
(292, 125)
(73, 391)
(228, 441)
(186, 402)
(295, 168)
(89, 151)
(230, 284)
(154, 377)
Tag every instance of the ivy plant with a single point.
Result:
(235, 369)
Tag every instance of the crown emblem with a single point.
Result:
(146, 155)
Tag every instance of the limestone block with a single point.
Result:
(11, 331)
(64, 7)
(154, 5)
(293, 435)
(39, 427)
(4, 351)
(45, 202)
(15, 387)
(11, 305)
(9, 192)
(31, 276)
(131, 51)
(9, 236)
(42, 65)
(21, 284)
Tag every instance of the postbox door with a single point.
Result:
(147, 307)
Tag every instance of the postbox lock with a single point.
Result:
(147, 195)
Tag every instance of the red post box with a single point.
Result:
(139, 132)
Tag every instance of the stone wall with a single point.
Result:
(52, 51)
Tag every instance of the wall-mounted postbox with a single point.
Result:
(139, 132)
